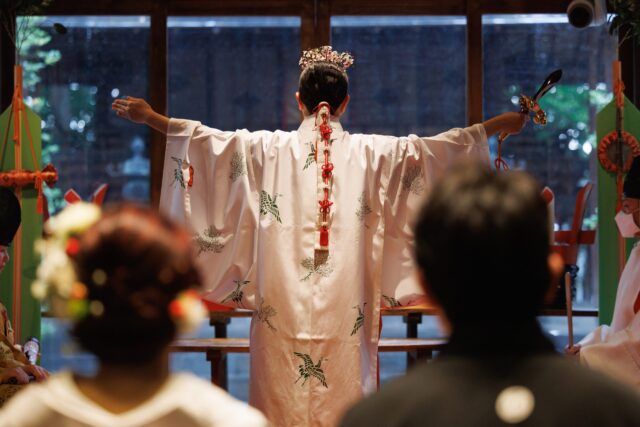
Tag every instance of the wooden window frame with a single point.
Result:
(315, 30)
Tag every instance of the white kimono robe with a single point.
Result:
(251, 200)
(615, 350)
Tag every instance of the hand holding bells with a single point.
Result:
(530, 106)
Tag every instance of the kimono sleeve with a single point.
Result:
(417, 163)
(208, 186)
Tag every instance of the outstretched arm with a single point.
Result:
(508, 123)
(138, 110)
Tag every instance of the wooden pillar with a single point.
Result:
(315, 24)
(474, 63)
(158, 93)
(7, 61)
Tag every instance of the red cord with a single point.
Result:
(500, 163)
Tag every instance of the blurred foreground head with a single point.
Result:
(482, 245)
(133, 262)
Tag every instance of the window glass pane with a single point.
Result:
(519, 51)
(70, 80)
(235, 72)
(409, 74)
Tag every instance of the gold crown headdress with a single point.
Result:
(327, 55)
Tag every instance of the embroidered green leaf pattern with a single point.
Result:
(308, 369)
(238, 166)
(268, 205)
(209, 241)
(311, 158)
(412, 180)
(238, 293)
(391, 301)
(178, 178)
(319, 265)
(359, 320)
(264, 313)
(364, 208)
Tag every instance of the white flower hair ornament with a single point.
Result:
(56, 279)
(325, 54)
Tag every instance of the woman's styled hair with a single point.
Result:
(133, 262)
(323, 82)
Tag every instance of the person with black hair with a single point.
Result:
(482, 249)
(10, 218)
(15, 368)
(129, 292)
(615, 349)
(310, 229)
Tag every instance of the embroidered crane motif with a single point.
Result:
(391, 301)
(238, 166)
(264, 313)
(307, 369)
(178, 178)
(359, 320)
(268, 205)
(412, 180)
(319, 265)
(209, 241)
(364, 208)
(238, 293)
(311, 157)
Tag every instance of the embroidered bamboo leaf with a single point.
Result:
(238, 166)
(391, 301)
(308, 369)
(266, 312)
(311, 158)
(178, 178)
(359, 320)
(268, 205)
(412, 180)
(209, 241)
(364, 208)
(237, 294)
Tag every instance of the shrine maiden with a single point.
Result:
(615, 349)
(311, 229)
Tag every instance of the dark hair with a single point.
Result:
(134, 262)
(482, 244)
(323, 82)
(10, 216)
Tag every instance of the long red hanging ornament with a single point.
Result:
(326, 173)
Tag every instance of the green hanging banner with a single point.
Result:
(611, 254)
(20, 160)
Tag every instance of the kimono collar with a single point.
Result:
(308, 124)
(491, 340)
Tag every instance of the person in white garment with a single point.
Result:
(311, 229)
(615, 349)
(127, 281)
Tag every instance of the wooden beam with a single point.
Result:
(293, 7)
(158, 82)
(405, 7)
(521, 6)
(235, 7)
(101, 7)
(474, 64)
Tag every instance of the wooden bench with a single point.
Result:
(216, 350)
(217, 347)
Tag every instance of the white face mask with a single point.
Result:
(626, 224)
